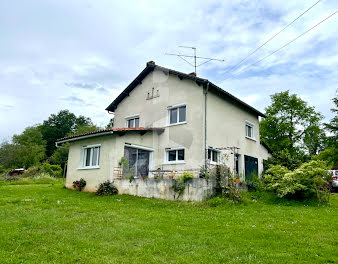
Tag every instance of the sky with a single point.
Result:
(80, 54)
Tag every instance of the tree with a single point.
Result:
(86, 128)
(57, 126)
(111, 123)
(332, 127)
(61, 125)
(60, 155)
(9, 155)
(27, 149)
(330, 153)
(292, 127)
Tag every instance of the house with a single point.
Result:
(169, 121)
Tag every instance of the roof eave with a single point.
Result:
(82, 137)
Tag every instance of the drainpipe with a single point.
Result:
(205, 126)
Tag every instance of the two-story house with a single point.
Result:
(171, 121)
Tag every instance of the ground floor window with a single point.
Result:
(175, 155)
(90, 156)
(214, 155)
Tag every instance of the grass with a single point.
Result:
(46, 223)
(41, 178)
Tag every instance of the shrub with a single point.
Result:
(106, 188)
(52, 170)
(79, 185)
(180, 182)
(8, 177)
(32, 172)
(226, 184)
(255, 184)
(310, 180)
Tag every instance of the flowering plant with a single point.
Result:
(79, 185)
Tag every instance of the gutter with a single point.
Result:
(82, 137)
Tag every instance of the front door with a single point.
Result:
(251, 167)
(138, 161)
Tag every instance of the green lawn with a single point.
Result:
(46, 223)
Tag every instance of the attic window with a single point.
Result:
(133, 121)
(249, 130)
(177, 114)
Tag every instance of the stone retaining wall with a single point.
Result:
(195, 190)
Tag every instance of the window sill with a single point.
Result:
(214, 163)
(253, 139)
(89, 168)
(176, 124)
(173, 162)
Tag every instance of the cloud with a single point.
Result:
(6, 107)
(102, 90)
(81, 85)
(73, 99)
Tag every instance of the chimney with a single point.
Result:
(192, 74)
(151, 62)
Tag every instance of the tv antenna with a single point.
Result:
(183, 56)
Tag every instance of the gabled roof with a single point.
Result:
(151, 66)
(119, 131)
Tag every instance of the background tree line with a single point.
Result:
(36, 144)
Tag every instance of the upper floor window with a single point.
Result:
(213, 155)
(177, 114)
(249, 130)
(90, 156)
(133, 121)
(175, 155)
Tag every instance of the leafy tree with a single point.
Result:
(330, 153)
(86, 128)
(111, 123)
(30, 136)
(292, 126)
(28, 149)
(61, 125)
(57, 126)
(60, 155)
(332, 127)
(9, 155)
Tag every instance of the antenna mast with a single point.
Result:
(182, 56)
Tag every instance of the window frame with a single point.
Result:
(177, 106)
(252, 126)
(132, 117)
(176, 161)
(211, 161)
(84, 154)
